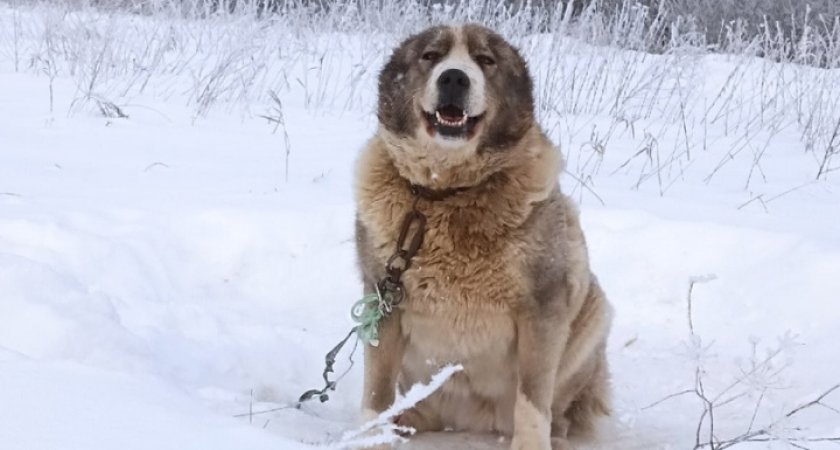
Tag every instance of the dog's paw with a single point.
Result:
(376, 447)
(561, 444)
(385, 441)
(530, 441)
(367, 416)
(411, 422)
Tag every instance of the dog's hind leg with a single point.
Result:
(577, 418)
(421, 418)
(561, 444)
(579, 403)
(592, 402)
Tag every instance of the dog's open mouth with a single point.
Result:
(452, 122)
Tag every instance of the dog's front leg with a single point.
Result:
(540, 344)
(382, 366)
(383, 362)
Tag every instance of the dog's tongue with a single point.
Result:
(451, 112)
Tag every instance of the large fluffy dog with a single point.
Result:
(501, 283)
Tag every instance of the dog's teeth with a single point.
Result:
(451, 123)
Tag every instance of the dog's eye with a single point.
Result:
(485, 60)
(431, 56)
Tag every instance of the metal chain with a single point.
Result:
(390, 289)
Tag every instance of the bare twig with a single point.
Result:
(815, 402)
(755, 410)
(277, 117)
(155, 164)
(250, 414)
(668, 397)
(586, 186)
(765, 434)
(764, 366)
(691, 282)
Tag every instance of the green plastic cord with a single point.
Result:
(367, 313)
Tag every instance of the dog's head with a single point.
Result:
(454, 92)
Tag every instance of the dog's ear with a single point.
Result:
(400, 80)
(510, 89)
(394, 111)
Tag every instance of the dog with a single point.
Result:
(500, 282)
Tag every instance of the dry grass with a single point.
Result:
(669, 109)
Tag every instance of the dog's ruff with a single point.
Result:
(502, 283)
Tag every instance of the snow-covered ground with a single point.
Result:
(159, 275)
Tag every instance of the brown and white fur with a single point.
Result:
(501, 283)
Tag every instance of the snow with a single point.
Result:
(159, 276)
(381, 428)
(73, 407)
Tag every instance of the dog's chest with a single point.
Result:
(458, 336)
(465, 263)
(482, 342)
(461, 290)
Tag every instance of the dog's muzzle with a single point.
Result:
(453, 87)
(451, 118)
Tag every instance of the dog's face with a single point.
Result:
(456, 90)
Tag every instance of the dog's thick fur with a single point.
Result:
(501, 283)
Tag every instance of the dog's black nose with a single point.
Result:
(452, 85)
